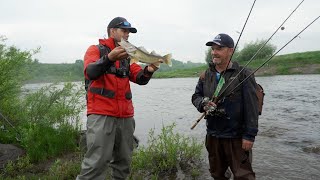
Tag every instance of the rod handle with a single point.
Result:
(195, 124)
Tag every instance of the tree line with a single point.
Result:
(43, 72)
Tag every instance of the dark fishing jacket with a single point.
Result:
(239, 109)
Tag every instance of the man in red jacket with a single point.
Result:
(110, 123)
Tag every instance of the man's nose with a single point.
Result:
(213, 52)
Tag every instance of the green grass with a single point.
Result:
(190, 72)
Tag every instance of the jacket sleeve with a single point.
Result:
(250, 111)
(94, 65)
(198, 96)
(139, 75)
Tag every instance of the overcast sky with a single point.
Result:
(65, 28)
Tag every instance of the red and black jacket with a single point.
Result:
(109, 94)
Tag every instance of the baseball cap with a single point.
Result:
(120, 22)
(223, 40)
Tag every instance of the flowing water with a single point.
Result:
(288, 141)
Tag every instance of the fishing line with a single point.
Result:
(252, 58)
(275, 53)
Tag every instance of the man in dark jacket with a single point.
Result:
(232, 122)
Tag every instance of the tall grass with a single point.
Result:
(165, 154)
(51, 124)
(48, 123)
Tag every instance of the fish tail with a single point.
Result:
(167, 60)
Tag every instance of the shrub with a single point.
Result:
(165, 153)
(14, 66)
(251, 48)
(51, 121)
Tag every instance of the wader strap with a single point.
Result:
(103, 92)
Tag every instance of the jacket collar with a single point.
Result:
(108, 42)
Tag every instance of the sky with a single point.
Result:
(64, 29)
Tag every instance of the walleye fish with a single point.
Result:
(140, 54)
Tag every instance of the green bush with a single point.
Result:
(51, 121)
(14, 68)
(165, 154)
(251, 48)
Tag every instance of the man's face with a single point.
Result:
(220, 55)
(118, 33)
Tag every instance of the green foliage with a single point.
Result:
(57, 72)
(165, 153)
(251, 48)
(48, 122)
(51, 121)
(22, 165)
(190, 72)
(14, 66)
(65, 169)
(208, 57)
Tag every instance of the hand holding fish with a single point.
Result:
(155, 66)
(117, 53)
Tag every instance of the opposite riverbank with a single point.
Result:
(296, 63)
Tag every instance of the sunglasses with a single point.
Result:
(123, 23)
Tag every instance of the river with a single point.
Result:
(288, 141)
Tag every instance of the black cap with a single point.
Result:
(223, 40)
(120, 22)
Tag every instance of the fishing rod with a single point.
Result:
(265, 43)
(297, 35)
(241, 34)
(13, 127)
(213, 98)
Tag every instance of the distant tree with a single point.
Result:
(78, 68)
(251, 48)
(208, 57)
(79, 61)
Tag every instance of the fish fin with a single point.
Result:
(154, 53)
(167, 59)
(133, 60)
(143, 49)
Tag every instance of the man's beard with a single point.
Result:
(216, 61)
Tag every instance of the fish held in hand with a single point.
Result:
(140, 54)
